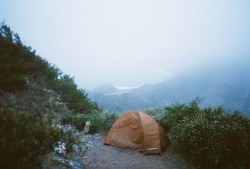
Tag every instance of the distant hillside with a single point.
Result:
(224, 85)
(105, 89)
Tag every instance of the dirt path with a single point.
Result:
(99, 156)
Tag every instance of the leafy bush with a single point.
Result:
(107, 119)
(209, 137)
(100, 122)
(24, 139)
(155, 113)
(77, 99)
(81, 119)
(26, 126)
(19, 62)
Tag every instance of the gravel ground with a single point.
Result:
(99, 156)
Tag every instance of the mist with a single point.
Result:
(128, 43)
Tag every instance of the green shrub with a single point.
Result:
(26, 132)
(24, 139)
(156, 113)
(107, 120)
(100, 122)
(209, 137)
(81, 119)
(77, 99)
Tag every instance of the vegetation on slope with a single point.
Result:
(34, 95)
(20, 65)
(209, 137)
(26, 131)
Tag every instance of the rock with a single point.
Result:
(60, 148)
(66, 162)
(90, 144)
(82, 148)
(76, 148)
(82, 140)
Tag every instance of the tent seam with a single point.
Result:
(142, 132)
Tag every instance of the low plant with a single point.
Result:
(24, 139)
(27, 127)
(107, 119)
(209, 137)
(99, 122)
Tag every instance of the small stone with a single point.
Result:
(60, 148)
(82, 140)
(76, 148)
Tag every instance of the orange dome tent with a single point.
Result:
(138, 131)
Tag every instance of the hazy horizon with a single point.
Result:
(127, 43)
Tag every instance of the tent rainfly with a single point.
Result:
(138, 131)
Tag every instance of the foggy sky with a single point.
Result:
(130, 42)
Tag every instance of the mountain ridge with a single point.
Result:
(217, 86)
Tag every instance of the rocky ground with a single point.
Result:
(98, 156)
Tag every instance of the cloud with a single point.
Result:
(131, 42)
